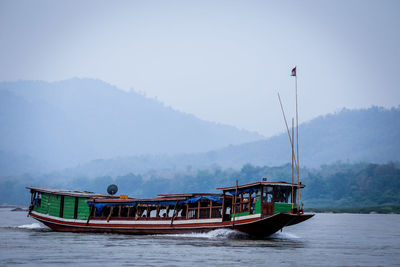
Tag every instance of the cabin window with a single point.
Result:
(147, 212)
(62, 207)
(267, 194)
(171, 212)
(37, 201)
(139, 212)
(124, 211)
(281, 194)
(163, 213)
(252, 201)
(132, 212)
(115, 211)
(182, 212)
(105, 212)
(258, 195)
(192, 213)
(76, 205)
(152, 213)
(143, 212)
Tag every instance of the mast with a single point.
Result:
(292, 165)
(290, 137)
(297, 139)
(297, 123)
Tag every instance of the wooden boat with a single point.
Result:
(259, 209)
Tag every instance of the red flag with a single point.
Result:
(293, 72)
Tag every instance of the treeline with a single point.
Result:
(338, 185)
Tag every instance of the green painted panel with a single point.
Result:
(282, 207)
(45, 205)
(69, 207)
(257, 207)
(54, 205)
(83, 209)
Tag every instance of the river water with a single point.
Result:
(325, 239)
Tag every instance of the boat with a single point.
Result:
(258, 209)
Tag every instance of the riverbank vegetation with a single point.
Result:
(339, 187)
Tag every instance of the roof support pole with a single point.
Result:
(211, 209)
(198, 209)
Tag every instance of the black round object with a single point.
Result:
(112, 189)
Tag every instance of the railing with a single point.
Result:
(216, 212)
(245, 207)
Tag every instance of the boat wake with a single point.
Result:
(283, 235)
(215, 234)
(31, 226)
(232, 234)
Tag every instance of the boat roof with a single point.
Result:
(160, 198)
(65, 192)
(184, 195)
(163, 198)
(112, 199)
(252, 185)
(137, 200)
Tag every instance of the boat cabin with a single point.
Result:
(62, 203)
(265, 198)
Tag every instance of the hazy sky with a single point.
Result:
(223, 61)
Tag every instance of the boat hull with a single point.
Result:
(254, 225)
(300, 218)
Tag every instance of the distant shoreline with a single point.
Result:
(12, 206)
(386, 209)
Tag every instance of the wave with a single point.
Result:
(283, 235)
(233, 234)
(215, 234)
(31, 226)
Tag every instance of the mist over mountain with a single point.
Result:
(56, 125)
(89, 128)
(364, 135)
(86, 134)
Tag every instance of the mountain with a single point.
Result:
(368, 135)
(62, 124)
(363, 135)
(90, 128)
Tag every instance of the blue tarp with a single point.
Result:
(160, 202)
(215, 198)
(100, 206)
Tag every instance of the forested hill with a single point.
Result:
(59, 124)
(365, 135)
